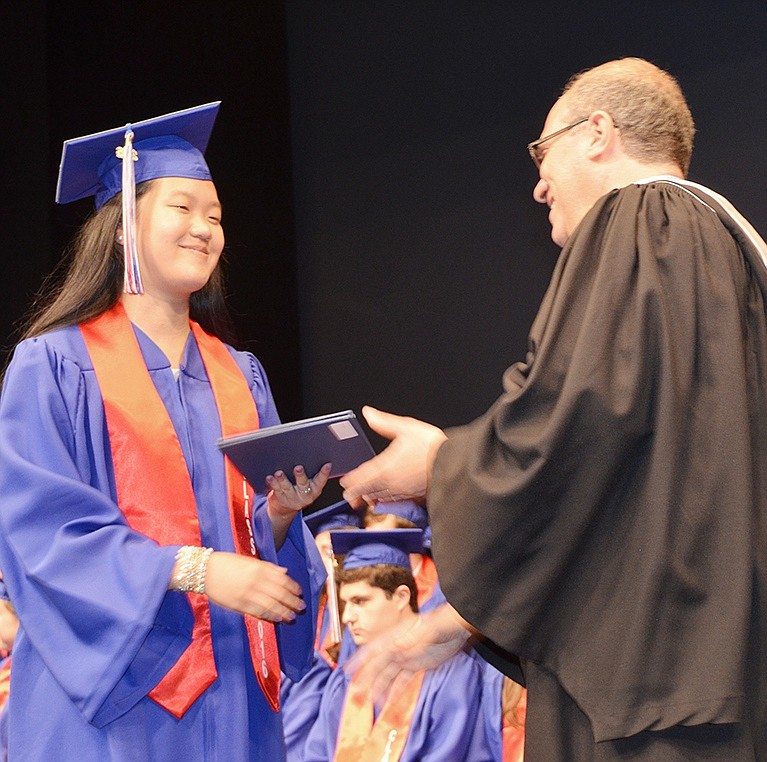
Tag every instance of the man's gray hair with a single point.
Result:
(645, 102)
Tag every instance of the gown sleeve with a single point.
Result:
(90, 592)
(298, 553)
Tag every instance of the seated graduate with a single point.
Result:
(159, 598)
(300, 701)
(434, 715)
(9, 626)
(336, 517)
(405, 514)
(503, 701)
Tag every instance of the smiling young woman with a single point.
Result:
(121, 520)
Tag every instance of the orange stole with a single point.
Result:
(361, 739)
(514, 737)
(236, 416)
(426, 580)
(154, 489)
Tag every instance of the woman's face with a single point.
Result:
(179, 236)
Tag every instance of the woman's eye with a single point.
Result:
(180, 206)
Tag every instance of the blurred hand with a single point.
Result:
(252, 586)
(387, 663)
(401, 471)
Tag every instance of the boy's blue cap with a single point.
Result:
(368, 547)
(165, 146)
(427, 540)
(405, 509)
(336, 516)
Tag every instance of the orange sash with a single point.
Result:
(361, 739)
(426, 580)
(514, 736)
(154, 489)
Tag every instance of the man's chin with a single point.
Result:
(559, 237)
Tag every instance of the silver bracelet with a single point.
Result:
(191, 564)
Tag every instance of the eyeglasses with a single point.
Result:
(534, 148)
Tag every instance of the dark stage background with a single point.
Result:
(384, 246)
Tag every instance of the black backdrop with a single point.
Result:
(384, 246)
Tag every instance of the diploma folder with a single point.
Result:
(336, 438)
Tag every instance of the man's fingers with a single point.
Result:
(362, 480)
(385, 424)
(372, 478)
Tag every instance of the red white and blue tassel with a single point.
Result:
(132, 283)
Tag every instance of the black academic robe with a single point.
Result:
(605, 520)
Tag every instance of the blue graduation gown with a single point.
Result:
(300, 703)
(98, 627)
(447, 723)
(436, 599)
(491, 707)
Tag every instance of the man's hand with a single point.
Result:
(402, 470)
(391, 660)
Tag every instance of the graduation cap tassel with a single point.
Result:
(333, 609)
(132, 283)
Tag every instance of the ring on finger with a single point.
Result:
(304, 490)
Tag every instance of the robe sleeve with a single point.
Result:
(90, 592)
(300, 556)
(298, 553)
(596, 520)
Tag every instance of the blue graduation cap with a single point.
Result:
(368, 547)
(335, 516)
(427, 540)
(165, 146)
(106, 163)
(405, 509)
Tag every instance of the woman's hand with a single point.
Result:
(252, 586)
(285, 499)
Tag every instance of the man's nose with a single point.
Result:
(540, 191)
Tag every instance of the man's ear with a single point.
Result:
(604, 137)
(402, 596)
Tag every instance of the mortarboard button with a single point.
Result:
(171, 145)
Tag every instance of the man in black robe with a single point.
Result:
(605, 522)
